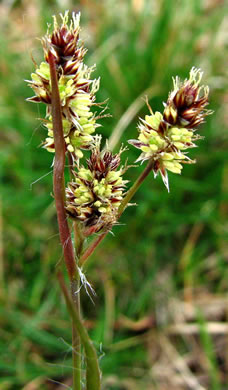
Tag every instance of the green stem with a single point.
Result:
(79, 238)
(76, 342)
(93, 376)
(135, 187)
(64, 231)
(75, 293)
(91, 249)
(88, 252)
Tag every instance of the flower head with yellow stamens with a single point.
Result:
(164, 138)
(97, 190)
(76, 88)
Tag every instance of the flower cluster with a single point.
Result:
(77, 90)
(164, 138)
(95, 194)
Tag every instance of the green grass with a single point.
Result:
(170, 247)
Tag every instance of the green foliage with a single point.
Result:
(171, 246)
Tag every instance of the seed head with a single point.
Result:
(76, 88)
(164, 138)
(95, 194)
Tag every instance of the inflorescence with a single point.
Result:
(164, 138)
(97, 188)
(77, 89)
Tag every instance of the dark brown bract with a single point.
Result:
(186, 103)
(101, 165)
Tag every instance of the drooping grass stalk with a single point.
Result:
(64, 231)
(93, 376)
(88, 252)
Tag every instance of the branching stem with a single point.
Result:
(135, 187)
(64, 231)
(88, 252)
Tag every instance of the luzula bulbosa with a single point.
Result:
(93, 197)
(96, 196)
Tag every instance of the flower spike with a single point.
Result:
(97, 190)
(164, 138)
(77, 89)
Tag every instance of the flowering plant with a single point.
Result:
(97, 193)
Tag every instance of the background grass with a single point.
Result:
(160, 314)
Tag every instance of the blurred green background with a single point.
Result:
(160, 318)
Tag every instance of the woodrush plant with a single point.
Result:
(96, 196)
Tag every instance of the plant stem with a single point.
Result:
(135, 187)
(121, 209)
(78, 238)
(76, 342)
(93, 377)
(91, 248)
(58, 177)
(70, 161)
(64, 231)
